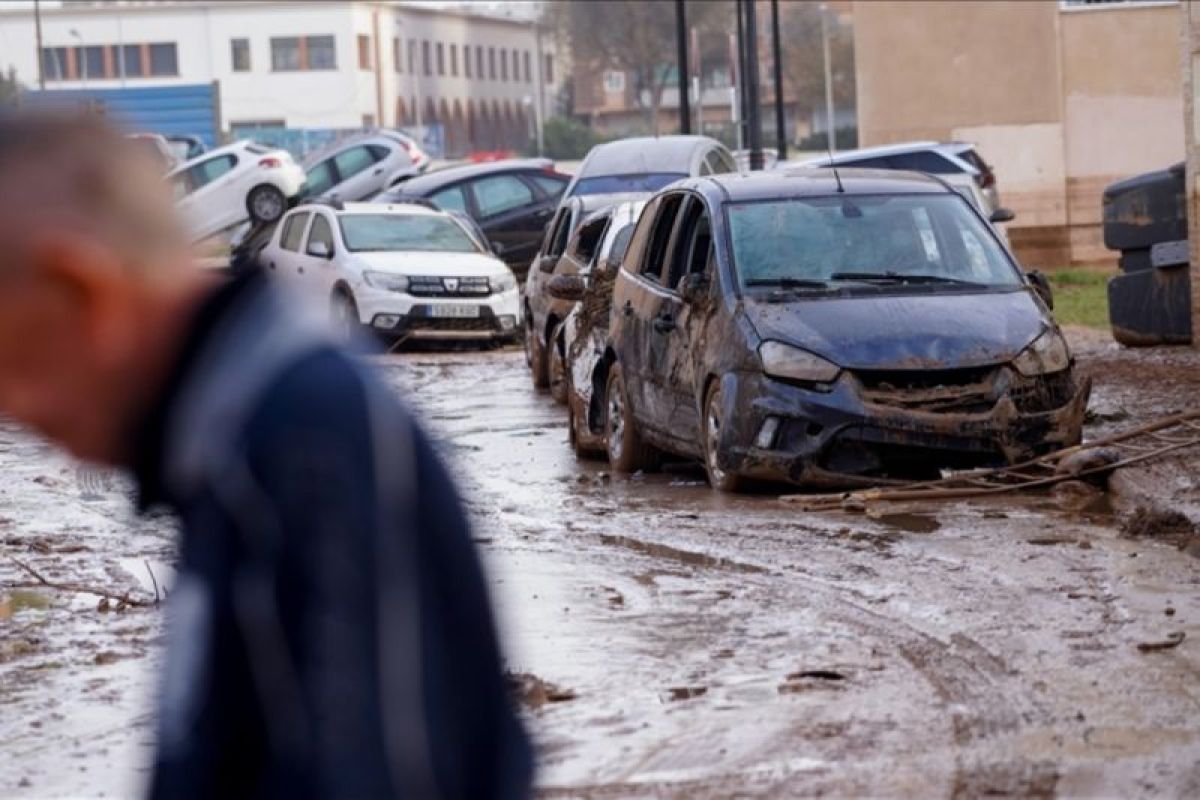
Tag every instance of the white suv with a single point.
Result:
(404, 270)
(363, 166)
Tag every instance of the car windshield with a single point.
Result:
(817, 242)
(618, 184)
(376, 232)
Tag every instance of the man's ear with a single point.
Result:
(88, 282)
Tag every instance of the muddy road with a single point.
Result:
(670, 641)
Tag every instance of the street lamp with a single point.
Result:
(82, 54)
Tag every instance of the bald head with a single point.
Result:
(95, 284)
(73, 173)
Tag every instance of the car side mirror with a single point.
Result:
(1002, 215)
(693, 287)
(567, 287)
(548, 263)
(320, 250)
(1041, 285)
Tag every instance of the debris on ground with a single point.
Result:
(1152, 522)
(533, 692)
(1171, 641)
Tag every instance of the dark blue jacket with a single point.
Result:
(329, 634)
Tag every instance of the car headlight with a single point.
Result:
(781, 360)
(502, 283)
(386, 280)
(1047, 354)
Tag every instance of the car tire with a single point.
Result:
(626, 450)
(343, 315)
(265, 203)
(556, 368)
(535, 354)
(711, 427)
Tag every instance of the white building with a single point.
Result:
(332, 64)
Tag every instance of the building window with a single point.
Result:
(492, 63)
(412, 56)
(467, 60)
(396, 54)
(1073, 4)
(614, 81)
(164, 60)
(239, 53)
(548, 72)
(131, 54)
(296, 53)
(528, 72)
(516, 66)
(90, 61)
(364, 51)
(441, 58)
(479, 61)
(426, 66)
(454, 60)
(503, 64)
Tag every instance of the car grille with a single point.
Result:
(479, 324)
(436, 286)
(958, 391)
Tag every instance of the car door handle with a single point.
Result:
(300, 270)
(378, 171)
(627, 309)
(664, 323)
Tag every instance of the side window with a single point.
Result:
(586, 240)
(500, 193)
(716, 162)
(320, 232)
(562, 232)
(293, 232)
(549, 184)
(208, 171)
(691, 243)
(620, 243)
(378, 151)
(631, 260)
(353, 161)
(867, 163)
(660, 236)
(923, 161)
(320, 178)
(451, 199)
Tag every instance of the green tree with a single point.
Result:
(636, 37)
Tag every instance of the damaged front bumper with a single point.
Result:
(863, 428)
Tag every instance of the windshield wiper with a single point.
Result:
(788, 283)
(897, 277)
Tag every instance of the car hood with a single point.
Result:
(442, 264)
(927, 331)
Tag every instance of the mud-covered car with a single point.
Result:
(566, 249)
(823, 328)
(580, 342)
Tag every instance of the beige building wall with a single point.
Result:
(1061, 101)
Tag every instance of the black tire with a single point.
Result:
(626, 450)
(535, 354)
(556, 367)
(265, 203)
(343, 315)
(711, 427)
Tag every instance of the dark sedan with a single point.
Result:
(511, 200)
(829, 329)
(646, 164)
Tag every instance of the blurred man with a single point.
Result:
(329, 634)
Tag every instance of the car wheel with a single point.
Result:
(556, 369)
(343, 314)
(626, 450)
(265, 203)
(536, 355)
(713, 427)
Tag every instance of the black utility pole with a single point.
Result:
(41, 59)
(681, 44)
(780, 122)
(753, 117)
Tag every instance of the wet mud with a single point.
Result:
(666, 640)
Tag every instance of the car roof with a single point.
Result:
(588, 203)
(432, 181)
(383, 208)
(643, 154)
(813, 182)
(882, 151)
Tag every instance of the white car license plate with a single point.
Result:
(454, 311)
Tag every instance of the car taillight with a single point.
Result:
(987, 178)
(270, 162)
(405, 146)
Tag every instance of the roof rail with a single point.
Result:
(322, 200)
(424, 202)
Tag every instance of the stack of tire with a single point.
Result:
(1145, 219)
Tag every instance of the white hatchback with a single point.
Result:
(223, 187)
(402, 270)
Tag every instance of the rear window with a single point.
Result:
(404, 232)
(257, 149)
(616, 184)
(924, 161)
